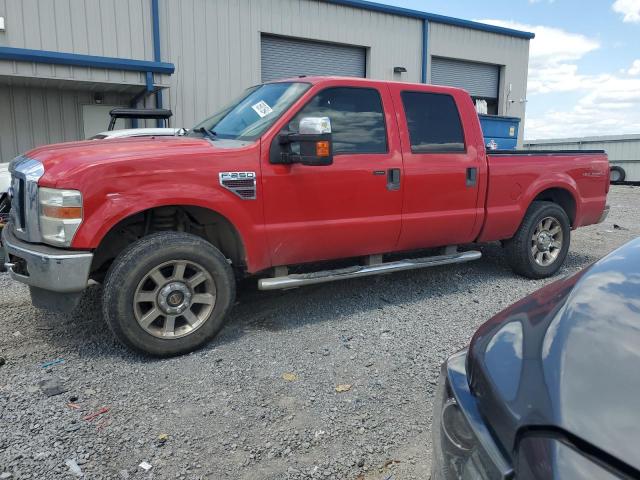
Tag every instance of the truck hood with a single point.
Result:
(567, 358)
(65, 161)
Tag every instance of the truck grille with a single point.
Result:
(16, 192)
(25, 174)
(20, 203)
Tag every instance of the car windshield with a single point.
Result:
(253, 113)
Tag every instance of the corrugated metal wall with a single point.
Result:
(216, 48)
(37, 116)
(510, 52)
(623, 150)
(41, 103)
(215, 44)
(112, 28)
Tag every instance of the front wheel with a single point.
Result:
(540, 246)
(168, 293)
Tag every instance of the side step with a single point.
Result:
(298, 280)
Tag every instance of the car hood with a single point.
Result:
(567, 359)
(65, 161)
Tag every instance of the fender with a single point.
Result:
(560, 181)
(105, 211)
(505, 211)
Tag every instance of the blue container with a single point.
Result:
(500, 133)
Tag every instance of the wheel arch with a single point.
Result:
(204, 222)
(561, 196)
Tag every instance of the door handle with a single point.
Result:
(472, 177)
(393, 179)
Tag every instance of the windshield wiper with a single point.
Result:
(209, 133)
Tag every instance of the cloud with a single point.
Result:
(608, 103)
(611, 107)
(551, 57)
(629, 9)
(635, 68)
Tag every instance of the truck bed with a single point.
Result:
(544, 152)
(578, 179)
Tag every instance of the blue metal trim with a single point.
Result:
(159, 121)
(425, 49)
(406, 12)
(149, 80)
(155, 16)
(155, 19)
(79, 60)
(485, 27)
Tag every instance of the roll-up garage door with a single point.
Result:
(286, 57)
(479, 79)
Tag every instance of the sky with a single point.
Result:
(584, 64)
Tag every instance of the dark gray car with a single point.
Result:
(550, 387)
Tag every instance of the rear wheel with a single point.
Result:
(168, 293)
(540, 246)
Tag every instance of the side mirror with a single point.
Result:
(311, 146)
(314, 125)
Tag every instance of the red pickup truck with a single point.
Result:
(289, 175)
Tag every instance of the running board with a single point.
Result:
(298, 280)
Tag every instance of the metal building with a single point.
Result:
(65, 63)
(623, 151)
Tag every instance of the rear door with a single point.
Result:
(350, 208)
(441, 170)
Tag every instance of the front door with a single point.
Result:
(350, 208)
(442, 173)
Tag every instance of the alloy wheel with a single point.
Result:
(546, 241)
(174, 299)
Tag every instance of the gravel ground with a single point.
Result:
(226, 412)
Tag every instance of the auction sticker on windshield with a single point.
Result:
(262, 108)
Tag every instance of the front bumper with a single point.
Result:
(45, 268)
(463, 445)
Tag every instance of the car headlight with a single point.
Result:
(461, 451)
(60, 215)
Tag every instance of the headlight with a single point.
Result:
(458, 451)
(60, 215)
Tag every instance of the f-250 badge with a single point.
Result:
(242, 184)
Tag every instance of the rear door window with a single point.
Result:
(357, 119)
(433, 122)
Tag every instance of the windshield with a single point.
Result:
(251, 114)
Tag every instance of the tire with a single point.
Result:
(523, 254)
(617, 174)
(180, 277)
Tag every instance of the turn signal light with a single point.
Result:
(322, 149)
(64, 213)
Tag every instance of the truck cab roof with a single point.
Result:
(357, 81)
